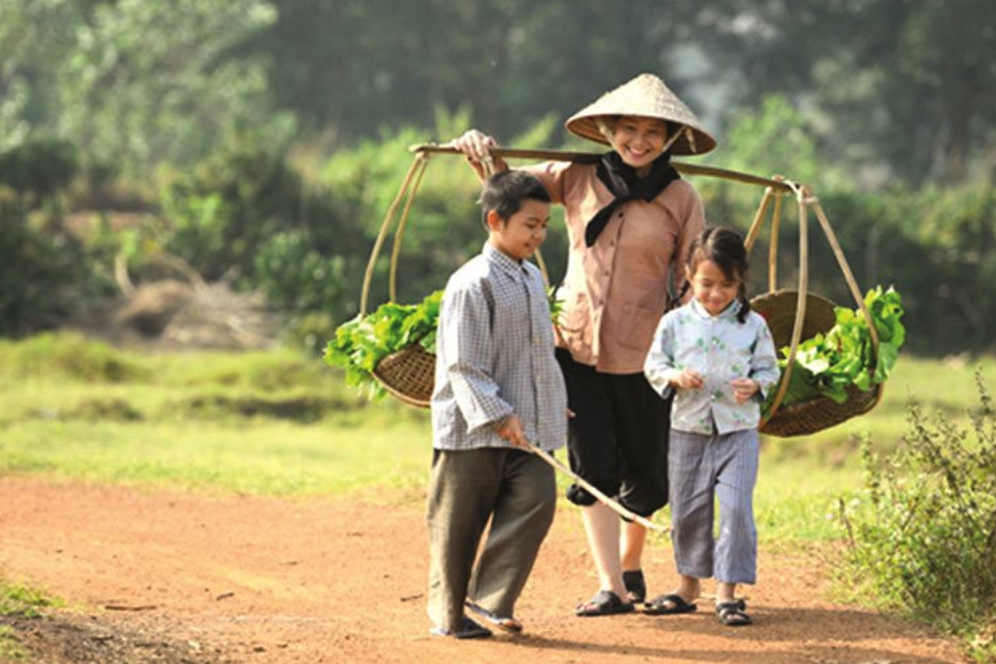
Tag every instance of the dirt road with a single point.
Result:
(172, 577)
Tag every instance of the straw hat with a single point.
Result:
(644, 96)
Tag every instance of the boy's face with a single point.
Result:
(521, 234)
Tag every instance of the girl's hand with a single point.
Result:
(688, 380)
(744, 388)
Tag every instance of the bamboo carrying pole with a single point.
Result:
(589, 157)
(775, 187)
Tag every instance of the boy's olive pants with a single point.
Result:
(513, 488)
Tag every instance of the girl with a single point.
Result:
(630, 218)
(718, 358)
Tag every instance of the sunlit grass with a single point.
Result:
(19, 601)
(279, 423)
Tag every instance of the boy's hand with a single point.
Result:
(511, 430)
(688, 380)
(744, 388)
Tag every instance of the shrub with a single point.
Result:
(38, 169)
(298, 279)
(68, 355)
(923, 533)
(40, 268)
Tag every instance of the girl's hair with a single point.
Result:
(724, 247)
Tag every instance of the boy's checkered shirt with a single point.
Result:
(495, 357)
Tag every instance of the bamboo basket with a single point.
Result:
(793, 315)
(779, 309)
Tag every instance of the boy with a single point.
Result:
(497, 388)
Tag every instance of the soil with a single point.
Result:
(169, 577)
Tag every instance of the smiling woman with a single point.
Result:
(630, 218)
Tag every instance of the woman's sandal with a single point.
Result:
(732, 614)
(605, 603)
(667, 605)
(636, 586)
(507, 623)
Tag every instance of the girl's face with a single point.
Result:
(638, 141)
(711, 288)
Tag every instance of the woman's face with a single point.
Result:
(638, 141)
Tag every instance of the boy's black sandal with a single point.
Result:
(605, 603)
(636, 586)
(468, 630)
(667, 605)
(732, 614)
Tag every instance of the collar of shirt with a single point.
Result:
(729, 312)
(507, 264)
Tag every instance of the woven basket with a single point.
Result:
(779, 308)
(408, 374)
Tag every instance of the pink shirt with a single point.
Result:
(615, 292)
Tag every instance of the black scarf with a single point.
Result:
(622, 180)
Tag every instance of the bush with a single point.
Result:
(68, 355)
(38, 169)
(40, 269)
(298, 279)
(923, 533)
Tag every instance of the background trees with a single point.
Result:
(264, 138)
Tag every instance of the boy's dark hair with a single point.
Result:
(504, 192)
(724, 247)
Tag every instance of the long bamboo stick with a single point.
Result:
(606, 500)
(589, 157)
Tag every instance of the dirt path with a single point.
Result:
(170, 577)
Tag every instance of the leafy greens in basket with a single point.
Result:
(362, 342)
(826, 365)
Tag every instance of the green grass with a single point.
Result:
(946, 386)
(18, 602)
(260, 423)
(279, 423)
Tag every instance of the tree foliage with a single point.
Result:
(267, 137)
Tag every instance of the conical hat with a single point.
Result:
(644, 96)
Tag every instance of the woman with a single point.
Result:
(630, 218)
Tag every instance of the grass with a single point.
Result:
(18, 602)
(279, 423)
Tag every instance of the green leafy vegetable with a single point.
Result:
(828, 364)
(365, 340)
(362, 342)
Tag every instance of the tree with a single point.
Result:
(907, 84)
(152, 82)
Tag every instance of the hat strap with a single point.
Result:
(671, 141)
(690, 133)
